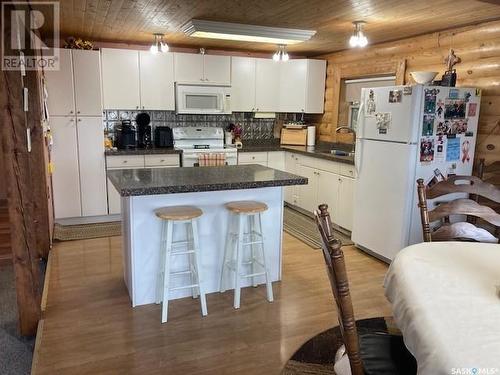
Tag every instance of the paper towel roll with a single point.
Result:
(311, 135)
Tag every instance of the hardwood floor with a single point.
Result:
(90, 328)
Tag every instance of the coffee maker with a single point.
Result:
(143, 130)
(125, 136)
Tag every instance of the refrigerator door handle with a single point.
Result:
(358, 149)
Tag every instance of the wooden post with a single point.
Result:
(21, 169)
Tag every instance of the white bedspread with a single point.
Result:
(446, 300)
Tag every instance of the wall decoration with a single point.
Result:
(453, 149)
(430, 100)
(395, 96)
(458, 126)
(449, 77)
(451, 60)
(465, 151)
(454, 93)
(454, 109)
(472, 109)
(428, 125)
(370, 104)
(426, 149)
(478, 92)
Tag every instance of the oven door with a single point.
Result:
(197, 99)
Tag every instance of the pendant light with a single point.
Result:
(281, 54)
(159, 44)
(358, 38)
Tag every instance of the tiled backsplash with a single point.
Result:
(253, 128)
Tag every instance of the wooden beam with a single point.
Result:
(19, 168)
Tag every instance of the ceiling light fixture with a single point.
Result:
(245, 33)
(281, 54)
(159, 44)
(358, 39)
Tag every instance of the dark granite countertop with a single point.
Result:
(321, 151)
(151, 181)
(143, 151)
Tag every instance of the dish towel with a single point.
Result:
(211, 159)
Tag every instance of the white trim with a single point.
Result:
(374, 79)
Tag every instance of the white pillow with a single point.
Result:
(342, 365)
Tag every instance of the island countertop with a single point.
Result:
(152, 181)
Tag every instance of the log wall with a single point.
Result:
(479, 48)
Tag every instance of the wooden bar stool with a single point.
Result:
(171, 217)
(249, 211)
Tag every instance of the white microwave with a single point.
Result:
(202, 99)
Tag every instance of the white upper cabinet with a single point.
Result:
(191, 67)
(188, 67)
(217, 69)
(293, 82)
(120, 78)
(302, 86)
(87, 73)
(267, 85)
(61, 100)
(243, 84)
(157, 80)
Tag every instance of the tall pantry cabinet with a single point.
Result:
(75, 110)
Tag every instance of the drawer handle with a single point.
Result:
(125, 161)
(162, 160)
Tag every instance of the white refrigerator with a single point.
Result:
(405, 133)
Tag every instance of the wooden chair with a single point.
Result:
(464, 231)
(374, 353)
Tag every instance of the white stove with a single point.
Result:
(202, 141)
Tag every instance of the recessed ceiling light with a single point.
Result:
(245, 33)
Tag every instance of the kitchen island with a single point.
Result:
(209, 188)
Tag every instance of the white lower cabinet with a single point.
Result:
(79, 177)
(92, 166)
(345, 202)
(252, 158)
(328, 182)
(65, 177)
(276, 160)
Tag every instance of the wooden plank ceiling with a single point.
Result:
(134, 21)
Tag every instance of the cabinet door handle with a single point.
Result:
(142, 107)
(71, 112)
(79, 120)
(77, 111)
(162, 160)
(125, 161)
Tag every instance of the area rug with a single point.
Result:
(316, 356)
(304, 228)
(87, 231)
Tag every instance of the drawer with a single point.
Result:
(322, 164)
(126, 161)
(252, 157)
(348, 170)
(160, 160)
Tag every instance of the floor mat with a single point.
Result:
(304, 228)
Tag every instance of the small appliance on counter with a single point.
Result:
(143, 130)
(294, 135)
(163, 137)
(125, 136)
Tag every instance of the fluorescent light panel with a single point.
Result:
(245, 33)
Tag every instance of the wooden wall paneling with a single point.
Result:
(479, 48)
(336, 73)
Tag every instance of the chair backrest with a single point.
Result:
(337, 273)
(463, 206)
